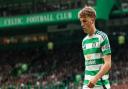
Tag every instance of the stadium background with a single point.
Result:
(40, 42)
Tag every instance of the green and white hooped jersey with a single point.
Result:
(94, 48)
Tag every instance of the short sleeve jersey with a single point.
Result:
(94, 48)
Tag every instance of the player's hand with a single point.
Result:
(92, 83)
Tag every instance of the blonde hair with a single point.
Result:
(87, 11)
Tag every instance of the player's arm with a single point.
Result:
(105, 68)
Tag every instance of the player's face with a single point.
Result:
(86, 24)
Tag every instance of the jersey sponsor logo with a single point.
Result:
(90, 62)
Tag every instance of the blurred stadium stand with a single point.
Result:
(19, 7)
(49, 55)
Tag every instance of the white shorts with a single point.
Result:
(96, 87)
